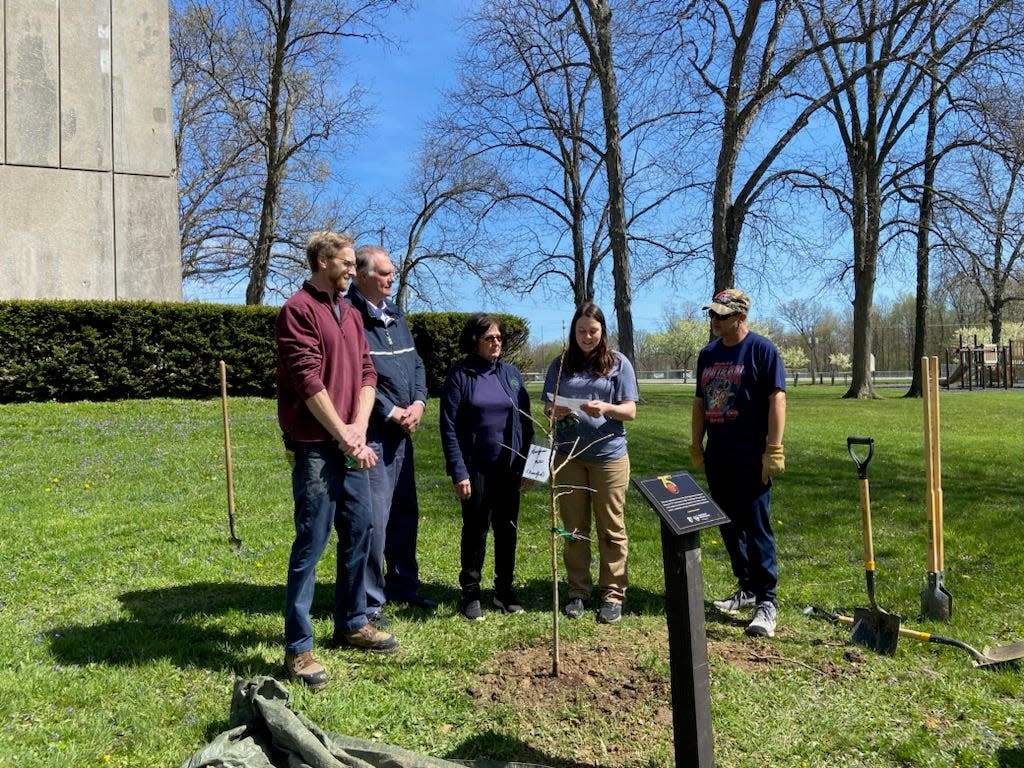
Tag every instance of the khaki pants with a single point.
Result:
(599, 487)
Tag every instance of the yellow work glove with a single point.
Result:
(697, 456)
(773, 462)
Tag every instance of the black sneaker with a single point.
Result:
(472, 610)
(379, 620)
(609, 613)
(507, 602)
(417, 601)
(575, 608)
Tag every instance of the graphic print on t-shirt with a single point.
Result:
(721, 382)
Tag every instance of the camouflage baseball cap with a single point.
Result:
(729, 301)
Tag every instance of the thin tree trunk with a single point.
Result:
(257, 287)
(603, 62)
(924, 225)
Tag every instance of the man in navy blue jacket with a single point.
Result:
(392, 572)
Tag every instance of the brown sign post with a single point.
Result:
(685, 510)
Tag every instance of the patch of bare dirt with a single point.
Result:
(609, 701)
(612, 698)
(603, 674)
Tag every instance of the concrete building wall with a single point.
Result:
(85, 85)
(32, 106)
(3, 88)
(88, 192)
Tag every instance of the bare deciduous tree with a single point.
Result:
(262, 107)
(443, 217)
(594, 23)
(981, 223)
(808, 318)
(891, 43)
(746, 57)
(541, 97)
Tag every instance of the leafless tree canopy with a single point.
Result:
(591, 146)
(262, 105)
(980, 219)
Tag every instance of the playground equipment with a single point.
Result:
(985, 365)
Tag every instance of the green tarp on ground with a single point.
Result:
(265, 732)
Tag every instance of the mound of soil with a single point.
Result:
(612, 698)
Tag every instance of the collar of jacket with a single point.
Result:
(357, 300)
(477, 365)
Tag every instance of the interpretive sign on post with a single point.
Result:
(685, 510)
(680, 502)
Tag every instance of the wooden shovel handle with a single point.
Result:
(937, 468)
(929, 462)
(865, 525)
(228, 464)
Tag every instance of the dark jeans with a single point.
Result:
(494, 503)
(392, 573)
(326, 494)
(748, 537)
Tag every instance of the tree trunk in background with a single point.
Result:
(924, 224)
(602, 60)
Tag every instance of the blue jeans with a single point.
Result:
(392, 573)
(326, 494)
(748, 537)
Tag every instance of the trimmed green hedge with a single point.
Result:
(103, 350)
(436, 335)
(106, 350)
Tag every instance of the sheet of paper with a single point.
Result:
(538, 462)
(572, 403)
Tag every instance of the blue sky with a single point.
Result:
(404, 90)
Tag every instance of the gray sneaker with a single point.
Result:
(765, 617)
(575, 608)
(735, 603)
(609, 613)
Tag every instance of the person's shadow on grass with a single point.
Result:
(189, 625)
(490, 749)
(213, 625)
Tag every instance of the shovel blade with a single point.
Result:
(876, 629)
(936, 602)
(1002, 654)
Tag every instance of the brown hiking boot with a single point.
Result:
(369, 638)
(305, 668)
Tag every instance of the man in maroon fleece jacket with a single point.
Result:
(325, 393)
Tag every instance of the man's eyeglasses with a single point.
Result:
(715, 316)
(492, 337)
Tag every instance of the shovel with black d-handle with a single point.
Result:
(873, 627)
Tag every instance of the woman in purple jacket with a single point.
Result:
(486, 431)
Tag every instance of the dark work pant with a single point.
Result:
(392, 572)
(748, 536)
(494, 503)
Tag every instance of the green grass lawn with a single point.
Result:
(125, 614)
